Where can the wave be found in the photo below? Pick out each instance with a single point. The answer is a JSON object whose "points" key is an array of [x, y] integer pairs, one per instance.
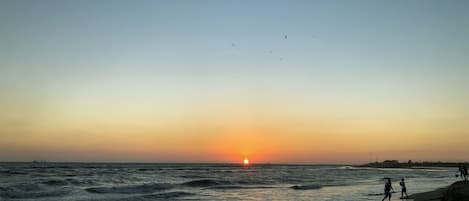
{"points": [[41, 194], [353, 168], [346, 167], [68, 181], [168, 195], [239, 187], [55, 182], [306, 187], [174, 195], [22, 187], [211, 183], [145, 188], [146, 169], [193, 176], [205, 183], [80, 182], [26, 191], [11, 172]]}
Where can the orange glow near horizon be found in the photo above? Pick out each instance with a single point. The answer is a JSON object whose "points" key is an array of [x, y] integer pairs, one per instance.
{"points": [[233, 141], [246, 161], [101, 132]]}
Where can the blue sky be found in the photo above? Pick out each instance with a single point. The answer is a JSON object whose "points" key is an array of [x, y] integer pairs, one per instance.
{"points": [[393, 58]]}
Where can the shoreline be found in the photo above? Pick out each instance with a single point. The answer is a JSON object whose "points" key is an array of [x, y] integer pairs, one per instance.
{"points": [[458, 191]]}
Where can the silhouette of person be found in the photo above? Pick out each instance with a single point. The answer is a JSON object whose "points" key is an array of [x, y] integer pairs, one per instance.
{"points": [[387, 189], [404, 189], [464, 169], [462, 172]]}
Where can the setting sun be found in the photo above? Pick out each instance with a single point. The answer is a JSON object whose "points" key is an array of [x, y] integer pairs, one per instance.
{"points": [[246, 161]]}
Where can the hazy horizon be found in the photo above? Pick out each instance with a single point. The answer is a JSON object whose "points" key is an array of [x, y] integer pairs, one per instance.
{"points": [[219, 81], [235, 163]]}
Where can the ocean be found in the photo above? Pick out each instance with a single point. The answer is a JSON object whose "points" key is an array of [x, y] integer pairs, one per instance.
{"points": [[144, 182]]}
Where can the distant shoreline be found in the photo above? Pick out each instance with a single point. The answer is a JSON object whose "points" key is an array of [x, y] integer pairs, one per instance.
{"points": [[411, 165]]}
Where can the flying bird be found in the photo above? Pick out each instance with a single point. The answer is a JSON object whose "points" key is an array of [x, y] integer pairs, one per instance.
{"points": [[286, 36]]}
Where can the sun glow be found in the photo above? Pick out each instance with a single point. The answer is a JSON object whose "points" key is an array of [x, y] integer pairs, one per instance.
{"points": [[246, 161]]}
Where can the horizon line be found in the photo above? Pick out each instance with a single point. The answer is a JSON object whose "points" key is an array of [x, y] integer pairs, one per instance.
{"points": [[223, 163]]}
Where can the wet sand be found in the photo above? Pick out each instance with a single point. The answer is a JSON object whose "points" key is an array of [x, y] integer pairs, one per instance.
{"points": [[459, 191]]}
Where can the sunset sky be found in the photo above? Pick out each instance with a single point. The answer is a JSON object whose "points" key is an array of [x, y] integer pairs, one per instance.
{"points": [[220, 81]]}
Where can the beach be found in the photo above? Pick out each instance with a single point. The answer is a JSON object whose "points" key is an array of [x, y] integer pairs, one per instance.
{"points": [[458, 191]]}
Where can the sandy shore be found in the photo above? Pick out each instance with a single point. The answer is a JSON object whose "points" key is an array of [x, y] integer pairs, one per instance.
{"points": [[458, 191]]}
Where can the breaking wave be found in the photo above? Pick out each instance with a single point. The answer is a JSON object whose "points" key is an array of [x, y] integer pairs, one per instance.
{"points": [[25, 191], [205, 183], [145, 188], [55, 182]]}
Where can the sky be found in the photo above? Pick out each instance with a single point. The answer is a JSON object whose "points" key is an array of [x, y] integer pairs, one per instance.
{"points": [[220, 81]]}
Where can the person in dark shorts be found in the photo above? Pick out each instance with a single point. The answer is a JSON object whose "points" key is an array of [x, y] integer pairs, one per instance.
{"points": [[404, 189], [387, 189]]}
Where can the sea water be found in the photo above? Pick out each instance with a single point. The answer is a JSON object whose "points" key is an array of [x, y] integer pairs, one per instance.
{"points": [[142, 182]]}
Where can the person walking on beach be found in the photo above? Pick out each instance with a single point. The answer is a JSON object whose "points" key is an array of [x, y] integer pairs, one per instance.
{"points": [[460, 171], [464, 169], [404, 189], [387, 189]]}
